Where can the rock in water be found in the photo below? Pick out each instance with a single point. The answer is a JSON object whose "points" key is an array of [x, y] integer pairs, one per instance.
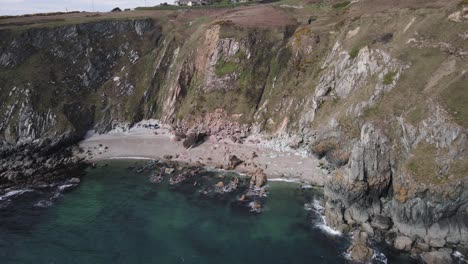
{"points": [[74, 180], [361, 253], [258, 179], [169, 170], [359, 250], [194, 139]]}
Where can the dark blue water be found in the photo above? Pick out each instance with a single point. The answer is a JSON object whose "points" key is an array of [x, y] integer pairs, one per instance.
{"points": [[118, 216]]}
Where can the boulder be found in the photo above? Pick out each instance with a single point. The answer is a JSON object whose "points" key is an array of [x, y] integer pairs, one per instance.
{"points": [[381, 222], [403, 243], [194, 139], [368, 229], [220, 184], [231, 162], [169, 170], [437, 257], [74, 180], [168, 157], [258, 179], [360, 252], [356, 213]]}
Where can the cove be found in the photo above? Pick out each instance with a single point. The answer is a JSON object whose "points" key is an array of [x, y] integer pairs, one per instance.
{"points": [[118, 216]]}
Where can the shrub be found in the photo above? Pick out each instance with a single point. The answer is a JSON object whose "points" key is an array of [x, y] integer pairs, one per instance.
{"points": [[342, 4], [225, 67], [354, 52], [388, 78]]}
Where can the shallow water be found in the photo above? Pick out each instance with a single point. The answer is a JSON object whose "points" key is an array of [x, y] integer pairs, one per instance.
{"points": [[118, 216]]}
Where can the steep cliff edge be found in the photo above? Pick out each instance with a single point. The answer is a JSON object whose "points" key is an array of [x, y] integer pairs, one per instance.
{"points": [[380, 93]]}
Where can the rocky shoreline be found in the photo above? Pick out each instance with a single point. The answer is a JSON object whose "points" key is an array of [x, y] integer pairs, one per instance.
{"points": [[240, 191], [56, 168], [40, 162]]}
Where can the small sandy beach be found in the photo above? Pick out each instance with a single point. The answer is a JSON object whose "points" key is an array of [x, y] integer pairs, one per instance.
{"points": [[140, 142]]}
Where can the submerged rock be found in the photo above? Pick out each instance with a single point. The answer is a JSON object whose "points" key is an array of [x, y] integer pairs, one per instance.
{"points": [[156, 178]]}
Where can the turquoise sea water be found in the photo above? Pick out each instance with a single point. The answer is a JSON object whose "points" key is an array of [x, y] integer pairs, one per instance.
{"points": [[118, 216]]}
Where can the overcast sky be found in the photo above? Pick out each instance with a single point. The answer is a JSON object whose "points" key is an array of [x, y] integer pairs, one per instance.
{"points": [[19, 7]]}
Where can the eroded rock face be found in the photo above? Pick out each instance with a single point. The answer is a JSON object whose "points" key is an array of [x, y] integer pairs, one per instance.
{"points": [[346, 74], [49, 108], [360, 195], [368, 173]]}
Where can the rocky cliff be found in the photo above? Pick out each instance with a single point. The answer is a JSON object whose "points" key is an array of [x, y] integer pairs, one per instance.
{"points": [[380, 93]]}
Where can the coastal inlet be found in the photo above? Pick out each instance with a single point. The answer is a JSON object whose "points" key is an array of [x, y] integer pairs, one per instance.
{"points": [[122, 212]]}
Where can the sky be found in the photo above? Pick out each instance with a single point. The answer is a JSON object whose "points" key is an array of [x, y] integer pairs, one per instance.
{"points": [[20, 7]]}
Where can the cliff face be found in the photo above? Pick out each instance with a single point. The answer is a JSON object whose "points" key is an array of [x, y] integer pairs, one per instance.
{"points": [[381, 96]]}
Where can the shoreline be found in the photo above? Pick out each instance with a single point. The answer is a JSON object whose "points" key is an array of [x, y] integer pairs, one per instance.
{"points": [[157, 143]]}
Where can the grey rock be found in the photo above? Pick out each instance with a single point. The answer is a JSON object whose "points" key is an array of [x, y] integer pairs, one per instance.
{"points": [[437, 257], [359, 250], [231, 162], [194, 139], [368, 229], [356, 213], [74, 180], [403, 243], [435, 242], [381, 222]]}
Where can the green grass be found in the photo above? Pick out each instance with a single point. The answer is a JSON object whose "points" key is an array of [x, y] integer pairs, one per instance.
{"points": [[354, 52], [422, 164], [416, 115], [225, 67], [459, 168], [341, 4], [456, 100], [389, 77]]}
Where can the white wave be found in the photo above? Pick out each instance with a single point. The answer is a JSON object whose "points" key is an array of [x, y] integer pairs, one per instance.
{"points": [[66, 187], [307, 186], [14, 193], [283, 180], [327, 229], [347, 256], [379, 257], [318, 206], [43, 204], [322, 225], [459, 256], [308, 207]]}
